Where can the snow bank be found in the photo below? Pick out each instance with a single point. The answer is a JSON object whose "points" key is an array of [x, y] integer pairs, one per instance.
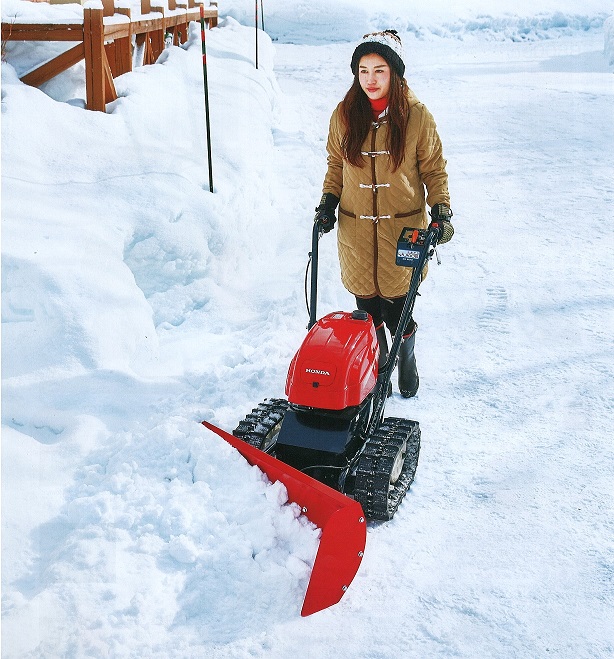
{"points": [[318, 21], [111, 241], [146, 270], [179, 505]]}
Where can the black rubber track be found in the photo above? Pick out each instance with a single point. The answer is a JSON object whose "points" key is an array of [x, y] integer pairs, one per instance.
{"points": [[396, 439], [373, 488], [262, 423]]}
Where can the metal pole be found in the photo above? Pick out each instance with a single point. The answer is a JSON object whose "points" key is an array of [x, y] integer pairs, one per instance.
{"points": [[256, 22], [262, 13], [313, 298], [207, 121], [381, 393]]}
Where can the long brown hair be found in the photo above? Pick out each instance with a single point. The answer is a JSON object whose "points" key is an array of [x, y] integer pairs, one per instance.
{"points": [[357, 117]]}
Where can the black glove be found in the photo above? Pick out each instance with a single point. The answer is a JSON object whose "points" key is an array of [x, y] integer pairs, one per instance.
{"points": [[440, 222], [325, 212]]}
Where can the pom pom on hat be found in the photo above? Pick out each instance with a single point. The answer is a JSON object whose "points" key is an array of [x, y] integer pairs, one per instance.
{"points": [[387, 44]]}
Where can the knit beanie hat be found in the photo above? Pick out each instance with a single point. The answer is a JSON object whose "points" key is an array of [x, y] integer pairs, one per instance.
{"points": [[387, 44]]}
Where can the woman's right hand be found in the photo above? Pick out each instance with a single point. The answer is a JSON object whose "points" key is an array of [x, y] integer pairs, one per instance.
{"points": [[325, 212]]}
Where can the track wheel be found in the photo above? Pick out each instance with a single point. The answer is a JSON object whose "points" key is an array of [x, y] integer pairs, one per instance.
{"points": [[387, 467], [261, 426]]}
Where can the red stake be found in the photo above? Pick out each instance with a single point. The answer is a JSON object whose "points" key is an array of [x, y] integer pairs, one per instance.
{"points": [[256, 22], [206, 86]]}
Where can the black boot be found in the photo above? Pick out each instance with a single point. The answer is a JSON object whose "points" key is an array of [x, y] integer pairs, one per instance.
{"points": [[383, 351], [408, 371]]}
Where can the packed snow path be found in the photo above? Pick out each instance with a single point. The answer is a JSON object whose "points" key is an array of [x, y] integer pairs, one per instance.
{"points": [[502, 546], [128, 532]]}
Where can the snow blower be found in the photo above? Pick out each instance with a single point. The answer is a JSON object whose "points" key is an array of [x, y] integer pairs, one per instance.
{"points": [[328, 442]]}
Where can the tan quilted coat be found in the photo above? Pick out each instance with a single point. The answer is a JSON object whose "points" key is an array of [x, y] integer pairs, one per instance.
{"points": [[376, 203]]}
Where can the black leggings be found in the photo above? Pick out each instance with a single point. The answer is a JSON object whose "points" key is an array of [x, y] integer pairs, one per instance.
{"points": [[383, 310]]}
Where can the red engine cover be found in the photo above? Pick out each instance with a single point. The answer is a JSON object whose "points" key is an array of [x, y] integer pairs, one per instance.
{"points": [[336, 366]]}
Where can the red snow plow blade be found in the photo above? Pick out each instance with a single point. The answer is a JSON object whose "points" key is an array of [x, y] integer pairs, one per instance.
{"points": [[341, 519]]}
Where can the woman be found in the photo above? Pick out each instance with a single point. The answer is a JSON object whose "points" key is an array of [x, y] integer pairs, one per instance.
{"points": [[383, 152]]}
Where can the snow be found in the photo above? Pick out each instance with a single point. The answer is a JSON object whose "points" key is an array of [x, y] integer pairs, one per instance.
{"points": [[609, 39], [136, 303]]}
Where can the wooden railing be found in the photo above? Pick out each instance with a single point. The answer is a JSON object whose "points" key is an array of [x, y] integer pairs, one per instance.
{"points": [[106, 40]]}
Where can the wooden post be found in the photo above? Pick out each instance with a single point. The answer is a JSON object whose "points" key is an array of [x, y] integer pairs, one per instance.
{"points": [[93, 42], [157, 44], [157, 36], [123, 50], [143, 41], [108, 7]]}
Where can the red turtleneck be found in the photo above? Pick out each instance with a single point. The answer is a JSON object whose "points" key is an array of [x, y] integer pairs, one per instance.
{"points": [[378, 106]]}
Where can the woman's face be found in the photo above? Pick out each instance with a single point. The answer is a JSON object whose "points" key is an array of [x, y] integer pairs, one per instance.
{"points": [[374, 76]]}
